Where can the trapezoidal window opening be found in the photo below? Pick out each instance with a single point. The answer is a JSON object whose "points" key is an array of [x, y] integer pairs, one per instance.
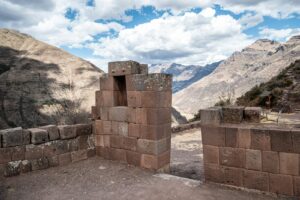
{"points": [[120, 94]]}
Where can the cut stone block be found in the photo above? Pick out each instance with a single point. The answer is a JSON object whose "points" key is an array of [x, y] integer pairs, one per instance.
{"points": [[149, 82], [155, 132], [244, 138], [153, 147], [25, 166], [53, 161], [210, 154], [119, 68], [129, 143], [297, 186], [289, 163], [14, 137], [64, 159], [33, 152], [231, 137], [281, 184], [253, 159], [119, 114], [104, 113], [211, 116], [296, 139], [106, 82], [133, 158], [213, 173], [260, 139], [281, 140], [39, 164], [233, 176], [256, 180], [233, 114], [5, 155], [17, 153], [120, 128], [52, 131], [213, 135], [134, 130], [232, 157], [117, 154], [12, 168], [155, 162], [38, 136], [67, 131], [270, 162], [83, 129], [252, 114], [107, 99]]}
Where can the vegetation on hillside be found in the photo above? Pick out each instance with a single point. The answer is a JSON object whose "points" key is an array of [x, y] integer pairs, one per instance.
{"points": [[272, 94]]}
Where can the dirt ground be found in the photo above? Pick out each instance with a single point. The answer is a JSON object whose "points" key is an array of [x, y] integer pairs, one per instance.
{"points": [[96, 178]]}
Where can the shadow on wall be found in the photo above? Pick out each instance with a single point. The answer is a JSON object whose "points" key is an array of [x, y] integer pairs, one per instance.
{"points": [[30, 98]]}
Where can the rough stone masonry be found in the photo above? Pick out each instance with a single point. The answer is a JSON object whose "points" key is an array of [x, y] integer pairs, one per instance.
{"points": [[132, 116]]}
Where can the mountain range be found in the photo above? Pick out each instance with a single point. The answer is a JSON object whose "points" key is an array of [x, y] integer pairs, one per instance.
{"points": [[183, 75], [255, 64]]}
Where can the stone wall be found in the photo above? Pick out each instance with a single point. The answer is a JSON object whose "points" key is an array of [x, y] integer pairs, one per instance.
{"points": [[133, 116], [241, 152], [25, 150]]}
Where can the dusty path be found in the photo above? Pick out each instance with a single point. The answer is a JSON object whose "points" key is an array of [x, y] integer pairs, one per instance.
{"points": [[101, 179], [187, 154]]}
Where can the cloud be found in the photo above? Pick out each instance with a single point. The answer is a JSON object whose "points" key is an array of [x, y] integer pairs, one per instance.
{"points": [[279, 34], [189, 39], [273, 8], [249, 20]]}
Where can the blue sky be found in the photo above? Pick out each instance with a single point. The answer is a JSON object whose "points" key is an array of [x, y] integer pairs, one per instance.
{"points": [[152, 31]]}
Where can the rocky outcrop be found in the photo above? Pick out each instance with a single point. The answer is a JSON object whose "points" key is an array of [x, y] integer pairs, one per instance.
{"points": [[235, 76], [41, 84]]}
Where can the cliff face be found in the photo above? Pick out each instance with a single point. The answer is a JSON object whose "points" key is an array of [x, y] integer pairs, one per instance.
{"points": [[235, 76], [41, 84]]}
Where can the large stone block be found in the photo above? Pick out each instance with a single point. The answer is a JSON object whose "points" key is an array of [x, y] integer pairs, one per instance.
{"points": [[153, 147], [104, 113], [38, 136], [134, 130], [53, 161], [52, 131], [98, 98], [233, 176], [129, 143], [232, 157], [67, 131], [253, 159], [39, 164], [256, 180], [157, 116], [281, 140], [252, 114], [64, 159], [296, 139], [281, 184], [289, 163], [83, 129], [155, 132], [297, 186], [103, 140], [154, 99], [107, 83], [107, 99], [211, 116], [14, 137], [120, 68], [56, 147], [5, 155], [210, 154], [260, 139], [244, 138], [149, 82], [12, 168], [134, 99], [17, 153], [213, 135], [213, 173], [33, 151], [25, 166], [233, 114], [120, 128], [119, 114], [116, 141], [270, 162], [155, 162], [231, 137]]}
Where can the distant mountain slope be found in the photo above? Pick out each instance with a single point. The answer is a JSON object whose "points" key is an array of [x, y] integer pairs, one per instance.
{"points": [[183, 75], [281, 93], [42, 84], [243, 70]]}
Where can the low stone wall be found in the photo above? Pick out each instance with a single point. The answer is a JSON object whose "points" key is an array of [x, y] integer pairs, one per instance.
{"points": [[250, 155], [25, 150], [183, 127]]}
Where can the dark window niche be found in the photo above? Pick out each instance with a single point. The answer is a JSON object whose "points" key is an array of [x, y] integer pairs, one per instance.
{"points": [[120, 95]]}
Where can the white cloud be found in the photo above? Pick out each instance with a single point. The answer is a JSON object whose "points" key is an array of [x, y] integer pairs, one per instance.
{"points": [[189, 39], [250, 20], [279, 34], [273, 8]]}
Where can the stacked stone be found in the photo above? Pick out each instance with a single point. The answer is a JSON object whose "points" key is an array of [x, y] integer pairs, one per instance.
{"points": [[24, 150], [133, 116], [255, 156]]}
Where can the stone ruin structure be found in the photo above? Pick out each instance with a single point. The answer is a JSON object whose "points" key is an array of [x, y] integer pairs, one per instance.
{"points": [[240, 151], [133, 116]]}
